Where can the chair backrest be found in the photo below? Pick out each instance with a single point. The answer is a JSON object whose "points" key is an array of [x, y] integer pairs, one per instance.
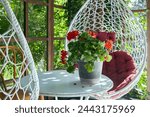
{"points": [[15, 36], [14, 56]]}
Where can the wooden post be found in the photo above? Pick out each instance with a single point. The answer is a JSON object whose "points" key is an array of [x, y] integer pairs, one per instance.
{"points": [[148, 41], [50, 31]]}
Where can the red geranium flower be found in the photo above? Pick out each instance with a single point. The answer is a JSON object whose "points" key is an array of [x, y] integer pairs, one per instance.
{"points": [[63, 56], [93, 34], [82, 46], [109, 45], [64, 53], [72, 35]]}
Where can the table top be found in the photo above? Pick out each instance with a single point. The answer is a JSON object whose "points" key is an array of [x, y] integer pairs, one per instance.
{"points": [[63, 84]]}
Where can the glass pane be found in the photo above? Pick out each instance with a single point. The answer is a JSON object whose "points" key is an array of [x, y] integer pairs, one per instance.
{"points": [[39, 52], [58, 46], [17, 7], [37, 21], [60, 23]]}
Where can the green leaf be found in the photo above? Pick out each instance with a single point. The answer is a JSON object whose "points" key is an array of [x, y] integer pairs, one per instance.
{"points": [[89, 67], [70, 69], [102, 58], [109, 57]]}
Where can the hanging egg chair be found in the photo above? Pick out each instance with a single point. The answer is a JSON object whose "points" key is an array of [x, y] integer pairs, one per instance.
{"points": [[115, 16], [15, 60]]}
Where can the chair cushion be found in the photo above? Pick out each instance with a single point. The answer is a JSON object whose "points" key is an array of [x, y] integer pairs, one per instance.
{"points": [[121, 70]]}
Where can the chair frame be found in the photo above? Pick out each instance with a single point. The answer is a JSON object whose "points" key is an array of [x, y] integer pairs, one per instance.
{"points": [[22, 40]]}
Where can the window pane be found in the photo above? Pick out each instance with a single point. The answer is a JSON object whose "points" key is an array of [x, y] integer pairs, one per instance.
{"points": [[60, 22], [39, 52], [37, 21], [17, 7], [60, 2], [58, 46]]}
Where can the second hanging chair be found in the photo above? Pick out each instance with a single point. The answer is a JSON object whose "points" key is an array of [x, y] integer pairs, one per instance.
{"points": [[115, 16]]}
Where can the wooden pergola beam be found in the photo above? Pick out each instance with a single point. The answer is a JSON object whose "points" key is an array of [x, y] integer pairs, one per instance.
{"points": [[148, 43], [40, 3], [36, 2], [139, 10], [30, 39], [50, 49]]}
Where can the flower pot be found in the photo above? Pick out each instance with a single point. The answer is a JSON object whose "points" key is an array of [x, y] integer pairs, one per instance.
{"points": [[91, 78]]}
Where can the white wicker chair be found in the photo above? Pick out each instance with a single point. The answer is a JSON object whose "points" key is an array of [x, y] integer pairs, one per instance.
{"points": [[114, 15], [16, 35]]}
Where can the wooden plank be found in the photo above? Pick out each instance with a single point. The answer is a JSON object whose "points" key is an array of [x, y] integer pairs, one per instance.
{"points": [[59, 6], [36, 2], [43, 4], [148, 41], [50, 32], [139, 10]]}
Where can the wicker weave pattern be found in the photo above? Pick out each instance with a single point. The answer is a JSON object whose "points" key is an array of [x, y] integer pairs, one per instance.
{"points": [[27, 64], [114, 15]]}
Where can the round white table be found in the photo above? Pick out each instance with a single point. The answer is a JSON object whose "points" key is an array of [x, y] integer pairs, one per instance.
{"points": [[59, 83]]}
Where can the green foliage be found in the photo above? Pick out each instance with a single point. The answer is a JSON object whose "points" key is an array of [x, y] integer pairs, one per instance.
{"points": [[140, 90], [60, 22], [3, 26], [38, 50], [141, 17], [37, 21], [16, 6], [58, 46], [72, 8], [60, 30]]}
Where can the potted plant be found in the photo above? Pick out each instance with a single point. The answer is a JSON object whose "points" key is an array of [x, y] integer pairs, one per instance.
{"points": [[87, 51]]}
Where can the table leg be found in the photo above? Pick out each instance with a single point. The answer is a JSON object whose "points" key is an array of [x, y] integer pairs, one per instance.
{"points": [[56, 98], [81, 98], [87, 98]]}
